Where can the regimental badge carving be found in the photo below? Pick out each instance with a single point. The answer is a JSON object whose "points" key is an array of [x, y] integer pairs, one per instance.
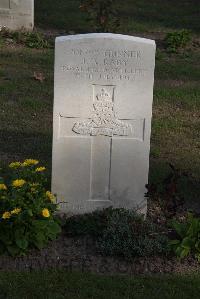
{"points": [[104, 120]]}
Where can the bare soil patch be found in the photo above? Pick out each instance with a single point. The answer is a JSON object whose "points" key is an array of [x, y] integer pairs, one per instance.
{"points": [[79, 254]]}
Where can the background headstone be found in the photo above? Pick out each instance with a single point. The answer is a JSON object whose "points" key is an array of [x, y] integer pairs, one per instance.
{"points": [[17, 14], [102, 121]]}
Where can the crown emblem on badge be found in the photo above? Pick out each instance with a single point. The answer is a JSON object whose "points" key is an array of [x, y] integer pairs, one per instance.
{"points": [[104, 96]]}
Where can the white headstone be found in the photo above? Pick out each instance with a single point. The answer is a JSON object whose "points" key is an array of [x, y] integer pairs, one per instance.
{"points": [[102, 121], [17, 14]]}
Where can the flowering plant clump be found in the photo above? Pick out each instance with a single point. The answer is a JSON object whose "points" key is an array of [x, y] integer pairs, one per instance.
{"points": [[27, 208]]}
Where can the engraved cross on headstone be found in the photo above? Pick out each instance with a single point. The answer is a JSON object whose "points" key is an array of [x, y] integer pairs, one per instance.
{"points": [[102, 127]]}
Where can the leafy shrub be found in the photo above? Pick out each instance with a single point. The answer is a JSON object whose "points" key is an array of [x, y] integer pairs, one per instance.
{"points": [[128, 235], [26, 210], [102, 14], [188, 233], [119, 232], [29, 39], [177, 40]]}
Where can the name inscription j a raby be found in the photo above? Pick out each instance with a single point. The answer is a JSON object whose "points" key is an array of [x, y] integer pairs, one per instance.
{"points": [[105, 64]]}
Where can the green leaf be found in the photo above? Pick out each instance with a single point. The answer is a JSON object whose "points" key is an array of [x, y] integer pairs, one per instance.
{"points": [[22, 243], [30, 212], [198, 257], [54, 227], [40, 224], [21, 238], [197, 246], [178, 251], [184, 252], [39, 240], [181, 228], [188, 242], [174, 242]]}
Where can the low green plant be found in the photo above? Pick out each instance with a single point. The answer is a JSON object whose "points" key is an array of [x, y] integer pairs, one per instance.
{"points": [[128, 234], [27, 209], [35, 40], [119, 232], [102, 14], [177, 40], [188, 237], [29, 39]]}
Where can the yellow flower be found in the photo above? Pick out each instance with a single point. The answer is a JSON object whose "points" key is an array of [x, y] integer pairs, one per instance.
{"points": [[50, 196], [6, 215], [16, 211], [3, 187], [39, 169], [29, 162], [18, 183], [14, 164], [45, 213]]}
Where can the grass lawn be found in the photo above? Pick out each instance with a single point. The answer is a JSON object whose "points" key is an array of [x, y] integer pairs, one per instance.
{"points": [[136, 16], [57, 285], [26, 131], [27, 104]]}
